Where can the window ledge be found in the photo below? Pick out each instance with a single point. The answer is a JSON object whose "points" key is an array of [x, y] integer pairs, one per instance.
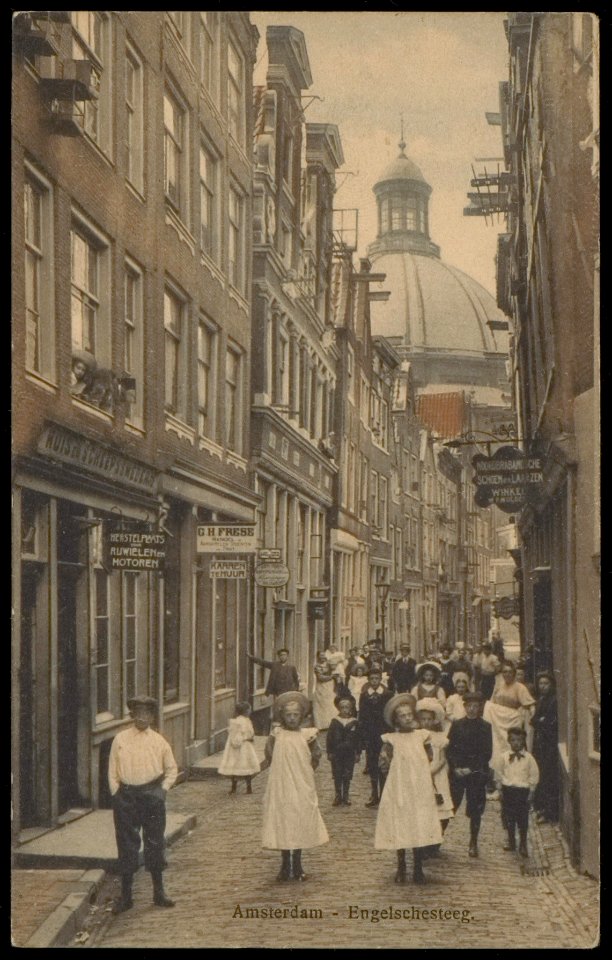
{"points": [[210, 446], [98, 149], [236, 460], [224, 692], [207, 261], [40, 381], [174, 709], [136, 193], [238, 298], [173, 220], [135, 429], [182, 429], [89, 408]]}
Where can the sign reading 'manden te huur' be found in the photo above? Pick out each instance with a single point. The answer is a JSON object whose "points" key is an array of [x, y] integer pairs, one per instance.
{"points": [[509, 479], [69, 447]]}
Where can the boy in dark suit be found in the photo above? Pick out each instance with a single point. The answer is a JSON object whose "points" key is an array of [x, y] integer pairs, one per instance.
{"points": [[402, 676], [283, 675], [470, 746], [372, 701]]}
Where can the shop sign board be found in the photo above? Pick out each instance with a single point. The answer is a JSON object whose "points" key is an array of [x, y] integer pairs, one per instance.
{"points": [[509, 479], [226, 538], [228, 570], [271, 574], [269, 553], [505, 607], [59, 443], [134, 547]]}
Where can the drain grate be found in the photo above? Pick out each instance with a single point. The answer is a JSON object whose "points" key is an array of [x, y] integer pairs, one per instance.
{"points": [[535, 871]]}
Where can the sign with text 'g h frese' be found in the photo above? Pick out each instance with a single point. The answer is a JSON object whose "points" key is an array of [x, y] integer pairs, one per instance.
{"points": [[226, 538]]}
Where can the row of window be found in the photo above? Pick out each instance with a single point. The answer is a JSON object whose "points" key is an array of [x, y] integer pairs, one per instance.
{"points": [[299, 386], [91, 327]]}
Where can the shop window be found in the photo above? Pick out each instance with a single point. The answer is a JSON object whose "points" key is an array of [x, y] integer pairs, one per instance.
{"points": [[102, 641], [226, 627]]}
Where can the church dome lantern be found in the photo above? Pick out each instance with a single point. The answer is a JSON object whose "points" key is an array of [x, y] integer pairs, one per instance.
{"points": [[402, 197]]}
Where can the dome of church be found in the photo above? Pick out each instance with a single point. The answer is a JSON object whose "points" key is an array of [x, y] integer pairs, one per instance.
{"points": [[437, 317]]}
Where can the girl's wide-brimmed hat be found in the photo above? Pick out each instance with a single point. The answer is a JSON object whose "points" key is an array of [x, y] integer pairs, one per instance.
{"points": [[85, 357], [428, 665], [292, 696], [395, 702], [432, 705]]}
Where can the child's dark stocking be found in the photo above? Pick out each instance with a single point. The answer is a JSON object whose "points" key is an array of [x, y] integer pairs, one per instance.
{"points": [[373, 801], [249, 788], [474, 831], [285, 870], [298, 873], [234, 785], [400, 876], [418, 876], [346, 783]]}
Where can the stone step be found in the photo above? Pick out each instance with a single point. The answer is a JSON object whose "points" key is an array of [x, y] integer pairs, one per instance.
{"points": [[88, 842]]}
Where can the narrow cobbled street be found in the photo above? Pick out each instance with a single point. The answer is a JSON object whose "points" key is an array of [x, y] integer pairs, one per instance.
{"points": [[219, 872]]}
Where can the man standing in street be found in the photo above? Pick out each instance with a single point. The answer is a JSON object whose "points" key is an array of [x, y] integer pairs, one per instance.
{"points": [[141, 770], [283, 675], [402, 676]]}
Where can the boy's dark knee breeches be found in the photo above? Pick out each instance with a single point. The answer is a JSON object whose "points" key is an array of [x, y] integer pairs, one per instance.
{"points": [[515, 807], [474, 788], [136, 809]]}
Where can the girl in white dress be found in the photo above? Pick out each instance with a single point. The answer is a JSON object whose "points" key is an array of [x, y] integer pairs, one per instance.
{"points": [[323, 707], [431, 717], [239, 758], [408, 812], [454, 705], [292, 821], [357, 681]]}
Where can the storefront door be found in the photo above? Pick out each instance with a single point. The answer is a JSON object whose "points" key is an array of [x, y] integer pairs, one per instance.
{"points": [[67, 690], [27, 704]]}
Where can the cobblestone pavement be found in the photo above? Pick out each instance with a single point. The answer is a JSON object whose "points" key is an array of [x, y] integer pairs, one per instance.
{"points": [[494, 900], [34, 895]]}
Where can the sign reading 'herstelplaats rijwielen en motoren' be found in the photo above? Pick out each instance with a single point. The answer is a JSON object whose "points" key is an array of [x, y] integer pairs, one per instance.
{"points": [[509, 479], [134, 546]]}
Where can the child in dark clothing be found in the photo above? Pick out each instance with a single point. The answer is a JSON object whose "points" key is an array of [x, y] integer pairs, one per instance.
{"points": [[470, 745], [343, 747], [518, 778]]}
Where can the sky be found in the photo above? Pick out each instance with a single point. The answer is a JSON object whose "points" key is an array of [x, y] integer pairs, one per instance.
{"points": [[442, 71]]}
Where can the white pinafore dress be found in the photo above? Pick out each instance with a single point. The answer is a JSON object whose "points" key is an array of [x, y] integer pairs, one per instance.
{"points": [[292, 820], [408, 813]]}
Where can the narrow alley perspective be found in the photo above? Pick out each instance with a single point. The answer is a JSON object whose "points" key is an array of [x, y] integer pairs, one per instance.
{"points": [[227, 895]]}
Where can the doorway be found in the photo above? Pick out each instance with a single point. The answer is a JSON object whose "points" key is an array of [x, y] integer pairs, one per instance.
{"points": [[28, 759], [67, 688]]}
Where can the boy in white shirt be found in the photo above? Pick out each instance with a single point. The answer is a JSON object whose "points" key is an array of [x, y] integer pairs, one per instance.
{"points": [[141, 770], [518, 778]]}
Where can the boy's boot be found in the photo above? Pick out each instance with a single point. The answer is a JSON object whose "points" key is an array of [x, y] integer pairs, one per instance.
{"points": [[298, 873], [523, 852], [400, 876], [159, 894], [418, 876], [249, 788], [473, 847], [511, 841], [373, 801], [285, 870], [345, 793], [125, 901]]}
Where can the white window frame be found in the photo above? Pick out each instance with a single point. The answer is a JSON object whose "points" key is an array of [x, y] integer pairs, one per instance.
{"points": [[178, 143], [210, 243], [383, 516], [133, 322], [210, 407], [41, 249], [181, 26], [235, 443], [177, 405], [100, 299], [107, 664], [236, 91], [209, 65], [99, 109], [236, 251], [134, 134], [135, 578]]}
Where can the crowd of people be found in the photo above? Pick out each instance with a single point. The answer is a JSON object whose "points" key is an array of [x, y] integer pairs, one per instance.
{"points": [[460, 724]]}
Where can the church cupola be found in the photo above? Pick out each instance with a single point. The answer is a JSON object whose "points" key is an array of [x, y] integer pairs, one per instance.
{"points": [[402, 196]]}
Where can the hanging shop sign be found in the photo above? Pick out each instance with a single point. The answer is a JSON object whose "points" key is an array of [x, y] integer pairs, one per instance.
{"points": [[269, 553], [226, 538], [271, 574], [228, 570], [505, 607], [509, 479], [134, 547]]}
